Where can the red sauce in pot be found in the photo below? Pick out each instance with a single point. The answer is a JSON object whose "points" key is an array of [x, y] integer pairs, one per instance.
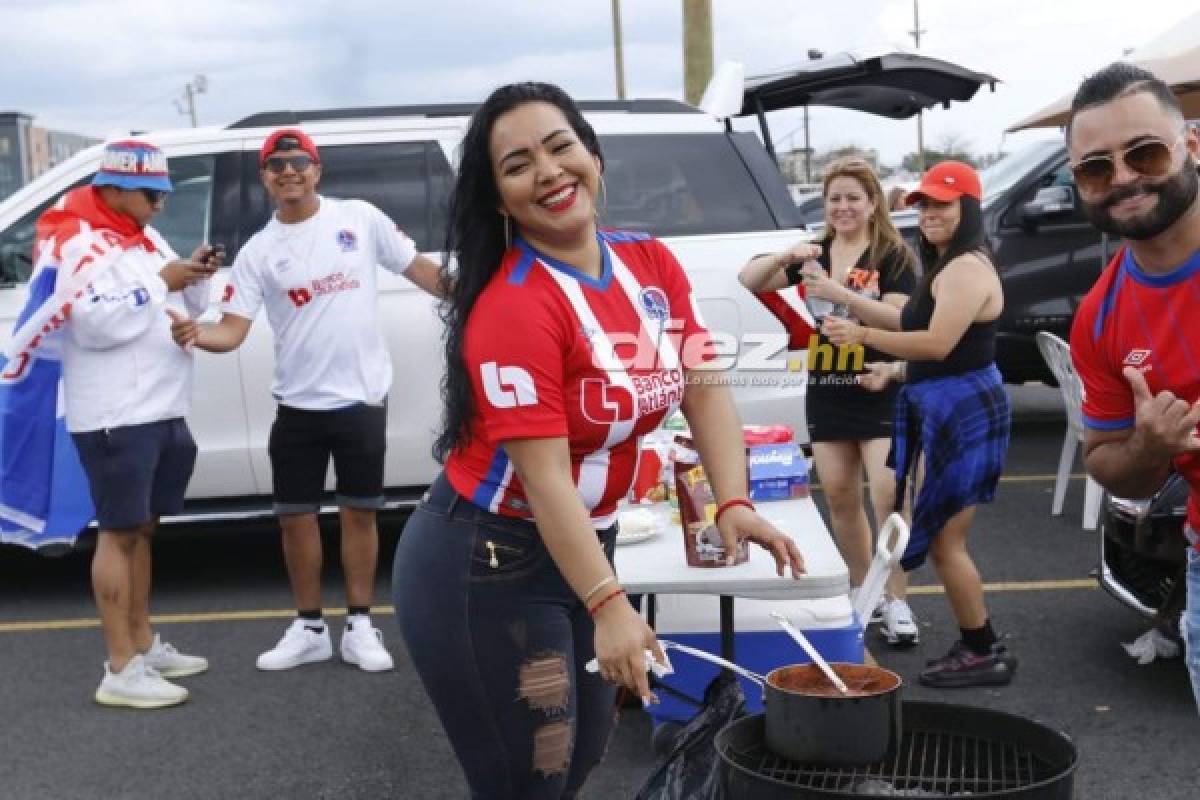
{"points": [[861, 680]]}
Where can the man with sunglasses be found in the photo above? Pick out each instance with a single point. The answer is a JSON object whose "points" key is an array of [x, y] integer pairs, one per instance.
{"points": [[127, 389], [314, 269], [1135, 337]]}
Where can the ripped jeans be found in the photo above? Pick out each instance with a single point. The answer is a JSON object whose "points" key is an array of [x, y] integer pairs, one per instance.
{"points": [[500, 641]]}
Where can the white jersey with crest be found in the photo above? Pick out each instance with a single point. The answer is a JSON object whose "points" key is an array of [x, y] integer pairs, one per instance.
{"points": [[317, 280]]}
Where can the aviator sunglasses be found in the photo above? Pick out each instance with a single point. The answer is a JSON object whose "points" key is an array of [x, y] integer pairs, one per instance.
{"points": [[1150, 158], [277, 164]]}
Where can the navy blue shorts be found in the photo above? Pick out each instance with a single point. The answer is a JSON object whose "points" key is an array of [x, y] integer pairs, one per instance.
{"points": [[137, 472], [302, 443]]}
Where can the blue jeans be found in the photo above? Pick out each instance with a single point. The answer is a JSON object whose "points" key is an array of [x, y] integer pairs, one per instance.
{"points": [[500, 641], [1189, 627]]}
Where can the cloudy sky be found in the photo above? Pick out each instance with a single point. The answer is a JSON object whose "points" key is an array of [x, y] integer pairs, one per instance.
{"points": [[100, 67]]}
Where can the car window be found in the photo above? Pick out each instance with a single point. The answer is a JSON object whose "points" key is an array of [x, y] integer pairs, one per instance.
{"points": [[16, 243], [679, 185], [408, 181], [185, 218]]}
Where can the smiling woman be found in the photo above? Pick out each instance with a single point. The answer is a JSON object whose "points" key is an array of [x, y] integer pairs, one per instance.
{"points": [[504, 584], [952, 415]]}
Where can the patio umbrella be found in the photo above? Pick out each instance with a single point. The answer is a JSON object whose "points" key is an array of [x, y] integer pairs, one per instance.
{"points": [[1173, 57]]}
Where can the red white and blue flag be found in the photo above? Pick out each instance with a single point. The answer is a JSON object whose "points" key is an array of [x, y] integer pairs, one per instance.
{"points": [[44, 496]]}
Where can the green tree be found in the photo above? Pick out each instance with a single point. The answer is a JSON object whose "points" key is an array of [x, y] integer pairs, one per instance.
{"points": [[951, 148]]}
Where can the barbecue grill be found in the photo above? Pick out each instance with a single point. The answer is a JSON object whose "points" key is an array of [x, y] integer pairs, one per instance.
{"points": [[946, 751]]}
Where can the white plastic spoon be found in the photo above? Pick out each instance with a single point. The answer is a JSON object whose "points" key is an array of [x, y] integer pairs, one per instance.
{"points": [[803, 641]]}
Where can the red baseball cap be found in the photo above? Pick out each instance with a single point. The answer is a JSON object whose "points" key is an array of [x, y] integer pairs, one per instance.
{"points": [[280, 137], [946, 181]]}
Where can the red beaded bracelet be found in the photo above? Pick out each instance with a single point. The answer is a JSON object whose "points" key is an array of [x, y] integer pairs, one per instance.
{"points": [[592, 611], [728, 504]]}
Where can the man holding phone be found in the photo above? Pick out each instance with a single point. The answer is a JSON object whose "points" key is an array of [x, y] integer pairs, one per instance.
{"points": [[127, 389], [313, 267]]}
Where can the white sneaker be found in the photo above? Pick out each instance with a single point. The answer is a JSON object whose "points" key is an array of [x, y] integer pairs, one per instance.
{"points": [[299, 645], [363, 645], [899, 626], [138, 686], [164, 659]]}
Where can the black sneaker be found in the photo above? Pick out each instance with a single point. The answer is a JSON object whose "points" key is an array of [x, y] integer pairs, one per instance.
{"points": [[962, 666]]}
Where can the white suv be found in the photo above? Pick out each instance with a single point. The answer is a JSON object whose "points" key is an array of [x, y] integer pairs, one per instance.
{"points": [[713, 196]]}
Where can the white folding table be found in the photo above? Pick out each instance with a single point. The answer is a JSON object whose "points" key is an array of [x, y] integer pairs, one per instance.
{"points": [[658, 566]]}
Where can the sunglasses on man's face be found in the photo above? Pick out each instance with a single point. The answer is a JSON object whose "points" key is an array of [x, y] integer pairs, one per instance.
{"points": [[1150, 158], [277, 164], [154, 196]]}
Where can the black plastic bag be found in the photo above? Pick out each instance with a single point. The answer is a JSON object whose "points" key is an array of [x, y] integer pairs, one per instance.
{"points": [[691, 769]]}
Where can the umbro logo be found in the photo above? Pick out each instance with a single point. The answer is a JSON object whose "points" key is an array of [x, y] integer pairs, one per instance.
{"points": [[1136, 358]]}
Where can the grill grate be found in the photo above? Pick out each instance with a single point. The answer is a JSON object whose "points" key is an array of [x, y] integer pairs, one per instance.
{"points": [[947, 764]]}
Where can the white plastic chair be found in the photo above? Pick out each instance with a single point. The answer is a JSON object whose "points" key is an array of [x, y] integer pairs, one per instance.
{"points": [[1057, 354]]}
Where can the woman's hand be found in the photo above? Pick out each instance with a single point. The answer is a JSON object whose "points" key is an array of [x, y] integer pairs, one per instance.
{"points": [[800, 252], [843, 331], [622, 639], [817, 283], [877, 376], [739, 523]]}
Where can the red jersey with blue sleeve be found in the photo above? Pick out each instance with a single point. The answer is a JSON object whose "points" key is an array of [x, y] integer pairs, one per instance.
{"points": [[1132, 318], [554, 352]]}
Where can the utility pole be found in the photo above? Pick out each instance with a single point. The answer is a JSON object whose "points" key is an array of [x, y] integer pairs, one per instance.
{"points": [[807, 149], [618, 52], [916, 34], [813, 55], [197, 85], [697, 48]]}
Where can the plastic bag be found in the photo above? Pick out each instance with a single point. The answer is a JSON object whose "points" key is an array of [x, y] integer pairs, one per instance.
{"points": [[1151, 645], [691, 770]]}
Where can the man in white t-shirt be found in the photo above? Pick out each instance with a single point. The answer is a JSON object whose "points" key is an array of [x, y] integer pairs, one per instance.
{"points": [[313, 267]]}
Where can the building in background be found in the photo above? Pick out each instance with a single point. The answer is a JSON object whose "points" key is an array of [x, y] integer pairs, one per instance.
{"points": [[26, 150]]}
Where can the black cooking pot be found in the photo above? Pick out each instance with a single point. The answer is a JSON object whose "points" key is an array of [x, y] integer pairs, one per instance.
{"points": [[810, 721]]}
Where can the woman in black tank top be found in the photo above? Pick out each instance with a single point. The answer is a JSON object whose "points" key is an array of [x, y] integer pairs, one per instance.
{"points": [[952, 410]]}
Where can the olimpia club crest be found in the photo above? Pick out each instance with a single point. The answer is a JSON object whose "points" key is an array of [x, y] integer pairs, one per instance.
{"points": [[655, 304]]}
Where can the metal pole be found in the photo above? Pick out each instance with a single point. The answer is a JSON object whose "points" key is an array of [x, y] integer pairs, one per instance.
{"points": [[916, 34], [618, 52], [807, 149], [191, 103], [697, 48]]}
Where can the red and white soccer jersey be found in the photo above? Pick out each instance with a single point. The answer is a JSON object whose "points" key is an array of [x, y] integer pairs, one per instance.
{"points": [[554, 352], [1131, 318]]}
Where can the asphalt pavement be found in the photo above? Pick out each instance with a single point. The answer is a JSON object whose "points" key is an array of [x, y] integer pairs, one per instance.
{"points": [[331, 731]]}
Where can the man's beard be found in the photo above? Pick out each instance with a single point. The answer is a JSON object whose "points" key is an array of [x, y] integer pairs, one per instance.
{"points": [[1175, 196]]}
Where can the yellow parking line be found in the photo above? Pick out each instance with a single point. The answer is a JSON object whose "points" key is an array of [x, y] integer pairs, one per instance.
{"points": [[1078, 476], [1048, 478], [1017, 586], [172, 619], [241, 616]]}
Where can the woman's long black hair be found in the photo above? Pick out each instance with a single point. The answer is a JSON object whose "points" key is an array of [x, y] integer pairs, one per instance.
{"points": [[475, 240], [969, 237]]}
